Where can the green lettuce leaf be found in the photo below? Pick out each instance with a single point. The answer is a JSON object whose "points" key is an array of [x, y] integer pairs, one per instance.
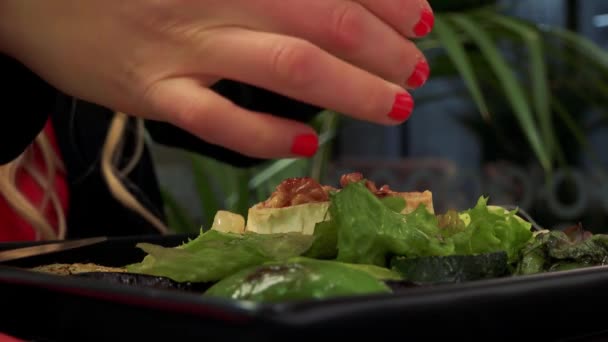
{"points": [[450, 223], [297, 279], [325, 241], [395, 203], [369, 231], [492, 231], [214, 255], [325, 245]]}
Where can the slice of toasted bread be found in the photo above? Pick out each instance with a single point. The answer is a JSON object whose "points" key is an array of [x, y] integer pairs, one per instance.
{"points": [[69, 269]]}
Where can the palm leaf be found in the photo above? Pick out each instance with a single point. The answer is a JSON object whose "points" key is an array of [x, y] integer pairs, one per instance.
{"points": [[570, 123], [267, 175], [580, 43], [513, 90], [538, 74], [177, 217], [576, 131], [241, 204], [203, 178], [451, 43], [329, 124], [281, 166]]}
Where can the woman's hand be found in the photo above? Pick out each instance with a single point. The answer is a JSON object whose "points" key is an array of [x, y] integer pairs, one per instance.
{"points": [[157, 59]]}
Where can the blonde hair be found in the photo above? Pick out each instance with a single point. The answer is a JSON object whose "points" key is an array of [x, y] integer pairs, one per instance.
{"points": [[113, 176]]}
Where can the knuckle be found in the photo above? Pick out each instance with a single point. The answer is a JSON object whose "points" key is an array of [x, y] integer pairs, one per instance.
{"points": [[346, 26], [149, 99], [294, 63], [405, 9], [187, 113]]}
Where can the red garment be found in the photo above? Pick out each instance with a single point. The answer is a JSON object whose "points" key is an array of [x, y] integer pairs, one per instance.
{"points": [[8, 338], [12, 226]]}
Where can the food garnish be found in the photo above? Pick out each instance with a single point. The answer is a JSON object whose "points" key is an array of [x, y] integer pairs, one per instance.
{"points": [[309, 241]]}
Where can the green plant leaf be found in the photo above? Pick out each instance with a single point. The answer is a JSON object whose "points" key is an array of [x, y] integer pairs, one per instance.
{"points": [[204, 188], [177, 216], [585, 46], [242, 204], [570, 123], [329, 123], [267, 174], [451, 43], [538, 75], [281, 166], [589, 83], [576, 131], [513, 90]]}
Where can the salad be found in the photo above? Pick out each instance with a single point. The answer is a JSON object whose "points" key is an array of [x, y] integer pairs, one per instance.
{"points": [[308, 241]]}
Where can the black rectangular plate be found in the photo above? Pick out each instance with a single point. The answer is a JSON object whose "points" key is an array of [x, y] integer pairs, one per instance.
{"points": [[42, 307]]}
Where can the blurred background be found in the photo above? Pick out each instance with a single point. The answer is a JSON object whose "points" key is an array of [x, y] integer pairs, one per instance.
{"points": [[516, 109]]}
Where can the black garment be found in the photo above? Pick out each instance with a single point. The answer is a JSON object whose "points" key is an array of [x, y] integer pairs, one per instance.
{"points": [[81, 129], [26, 101]]}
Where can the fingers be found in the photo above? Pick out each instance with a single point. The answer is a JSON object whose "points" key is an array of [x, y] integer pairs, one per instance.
{"points": [[302, 71], [365, 37], [411, 18], [187, 104]]}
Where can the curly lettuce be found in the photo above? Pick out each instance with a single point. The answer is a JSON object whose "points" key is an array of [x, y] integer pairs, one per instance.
{"points": [[491, 230], [359, 229], [556, 250], [214, 255], [369, 232]]}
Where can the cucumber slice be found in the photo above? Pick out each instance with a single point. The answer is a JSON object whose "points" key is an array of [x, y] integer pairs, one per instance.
{"points": [[451, 269]]}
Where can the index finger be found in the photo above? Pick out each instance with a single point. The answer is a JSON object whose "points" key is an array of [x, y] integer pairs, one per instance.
{"points": [[411, 18]]}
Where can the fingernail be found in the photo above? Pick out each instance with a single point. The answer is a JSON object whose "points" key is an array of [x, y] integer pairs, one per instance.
{"points": [[402, 108], [305, 145], [426, 23], [420, 75]]}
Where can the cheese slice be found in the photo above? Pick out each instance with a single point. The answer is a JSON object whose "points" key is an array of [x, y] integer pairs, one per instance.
{"points": [[300, 218], [228, 222]]}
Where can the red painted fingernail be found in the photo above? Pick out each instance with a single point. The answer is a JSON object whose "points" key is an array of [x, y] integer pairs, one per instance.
{"points": [[402, 108], [420, 75], [305, 145], [426, 23]]}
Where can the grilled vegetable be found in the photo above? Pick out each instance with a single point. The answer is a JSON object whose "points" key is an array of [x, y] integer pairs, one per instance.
{"points": [[451, 269], [563, 250]]}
